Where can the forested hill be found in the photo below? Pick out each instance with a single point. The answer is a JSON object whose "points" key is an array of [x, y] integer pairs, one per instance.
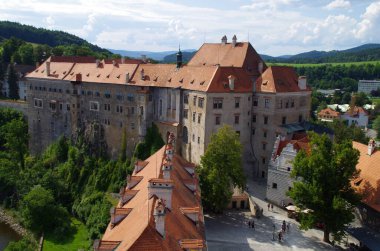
{"points": [[366, 52], [52, 38]]}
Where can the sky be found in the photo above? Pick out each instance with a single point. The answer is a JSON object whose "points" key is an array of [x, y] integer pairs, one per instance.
{"points": [[273, 27]]}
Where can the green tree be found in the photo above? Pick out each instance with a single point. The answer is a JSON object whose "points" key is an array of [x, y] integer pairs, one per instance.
{"points": [[361, 99], [12, 83], [26, 54], [40, 211], [25, 244], [221, 169], [376, 125], [323, 184], [16, 136], [346, 98]]}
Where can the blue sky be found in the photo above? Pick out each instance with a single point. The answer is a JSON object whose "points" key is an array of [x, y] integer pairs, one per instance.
{"points": [[274, 27]]}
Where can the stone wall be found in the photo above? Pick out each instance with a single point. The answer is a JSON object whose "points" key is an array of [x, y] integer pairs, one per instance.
{"points": [[18, 105]]}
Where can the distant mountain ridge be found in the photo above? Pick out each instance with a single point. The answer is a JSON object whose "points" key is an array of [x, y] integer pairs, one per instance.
{"points": [[149, 54]]}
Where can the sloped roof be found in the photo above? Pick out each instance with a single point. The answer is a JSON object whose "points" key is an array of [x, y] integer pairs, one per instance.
{"points": [[242, 55], [137, 231], [355, 111], [278, 79], [299, 141], [369, 180], [328, 112]]}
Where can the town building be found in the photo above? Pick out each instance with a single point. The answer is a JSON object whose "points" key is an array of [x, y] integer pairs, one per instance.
{"points": [[367, 86], [328, 115], [281, 164], [356, 116], [159, 208], [368, 183], [224, 83]]}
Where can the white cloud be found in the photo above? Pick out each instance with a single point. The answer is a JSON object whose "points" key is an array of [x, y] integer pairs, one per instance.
{"points": [[50, 22], [368, 28], [337, 4]]}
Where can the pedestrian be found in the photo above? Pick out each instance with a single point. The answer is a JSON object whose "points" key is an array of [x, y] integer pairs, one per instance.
{"points": [[268, 206], [253, 225], [288, 227], [283, 228], [271, 206], [273, 235], [279, 236], [249, 224]]}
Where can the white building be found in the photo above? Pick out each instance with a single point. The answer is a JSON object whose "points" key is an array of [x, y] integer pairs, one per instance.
{"points": [[357, 116], [281, 164], [367, 86]]}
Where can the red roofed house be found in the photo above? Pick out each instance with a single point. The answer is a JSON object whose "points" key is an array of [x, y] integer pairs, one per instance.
{"points": [[368, 182], [160, 210], [328, 115], [356, 116], [280, 166]]}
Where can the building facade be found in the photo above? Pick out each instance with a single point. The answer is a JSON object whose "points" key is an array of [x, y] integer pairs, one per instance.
{"points": [[367, 86], [109, 98]]}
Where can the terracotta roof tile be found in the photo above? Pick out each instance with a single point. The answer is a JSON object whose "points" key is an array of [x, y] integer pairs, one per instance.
{"points": [[368, 182], [328, 112], [278, 79]]}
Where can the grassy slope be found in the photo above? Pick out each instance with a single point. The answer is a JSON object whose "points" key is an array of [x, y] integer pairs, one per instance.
{"points": [[78, 239], [314, 65]]}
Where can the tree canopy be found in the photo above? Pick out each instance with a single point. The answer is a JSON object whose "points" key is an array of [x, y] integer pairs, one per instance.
{"points": [[323, 184], [221, 169]]}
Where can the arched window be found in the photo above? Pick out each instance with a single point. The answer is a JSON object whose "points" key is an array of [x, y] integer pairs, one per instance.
{"points": [[185, 136]]}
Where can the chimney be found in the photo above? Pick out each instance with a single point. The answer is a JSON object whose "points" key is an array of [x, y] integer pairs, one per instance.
{"points": [[371, 147], [162, 188], [142, 74], [97, 63], [169, 151], [113, 62], [143, 58], [167, 167], [78, 77], [47, 68], [127, 78], [302, 82], [179, 58], [122, 60], [224, 39], [260, 67], [234, 39], [231, 82], [159, 216]]}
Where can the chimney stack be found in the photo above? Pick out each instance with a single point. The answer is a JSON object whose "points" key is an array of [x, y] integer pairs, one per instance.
{"points": [[224, 39], [142, 74], [302, 82], [47, 68], [371, 147], [113, 62], [122, 60], [179, 58], [97, 63], [167, 167], [231, 82], [234, 40], [127, 78], [159, 217]]}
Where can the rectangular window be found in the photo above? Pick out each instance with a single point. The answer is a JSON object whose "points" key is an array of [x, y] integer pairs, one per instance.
{"points": [[186, 99], [292, 103], [199, 117], [185, 113], [255, 102], [218, 103], [132, 126], [119, 109], [107, 107], [53, 105], [264, 146], [265, 133], [38, 103], [237, 102], [266, 102], [132, 110], [89, 93], [253, 131], [217, 119], [68, 107], [237, 118], [193, 137], [283, 120], [119, 97], [279, 104], [265, 120], [200, 102], [107, 95], [253, 118], [193, 116], [263, 160], [130, 97], [300, 118], [94, 106], [195, 100], [199, 140], [274, 185]]}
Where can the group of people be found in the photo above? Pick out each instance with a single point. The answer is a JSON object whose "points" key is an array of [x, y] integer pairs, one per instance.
{"points": [[284, 228], [251, 224]]}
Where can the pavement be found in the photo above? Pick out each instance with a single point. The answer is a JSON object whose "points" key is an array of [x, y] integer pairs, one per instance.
{"points": [[230, 231]]}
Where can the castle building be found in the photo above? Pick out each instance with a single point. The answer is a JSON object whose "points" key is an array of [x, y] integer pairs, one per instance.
{"points": [[159, 208], [224, 83]]}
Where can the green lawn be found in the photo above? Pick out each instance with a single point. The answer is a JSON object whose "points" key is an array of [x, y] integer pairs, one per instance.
{"points": [[315, 65], [76, 240], [375, 100]]}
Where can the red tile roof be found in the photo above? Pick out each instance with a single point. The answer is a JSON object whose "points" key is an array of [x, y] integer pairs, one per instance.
{"points": [[137, 231], [279, 79], [299, 141], [368, 182], [354, 112], [328, 112]]}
